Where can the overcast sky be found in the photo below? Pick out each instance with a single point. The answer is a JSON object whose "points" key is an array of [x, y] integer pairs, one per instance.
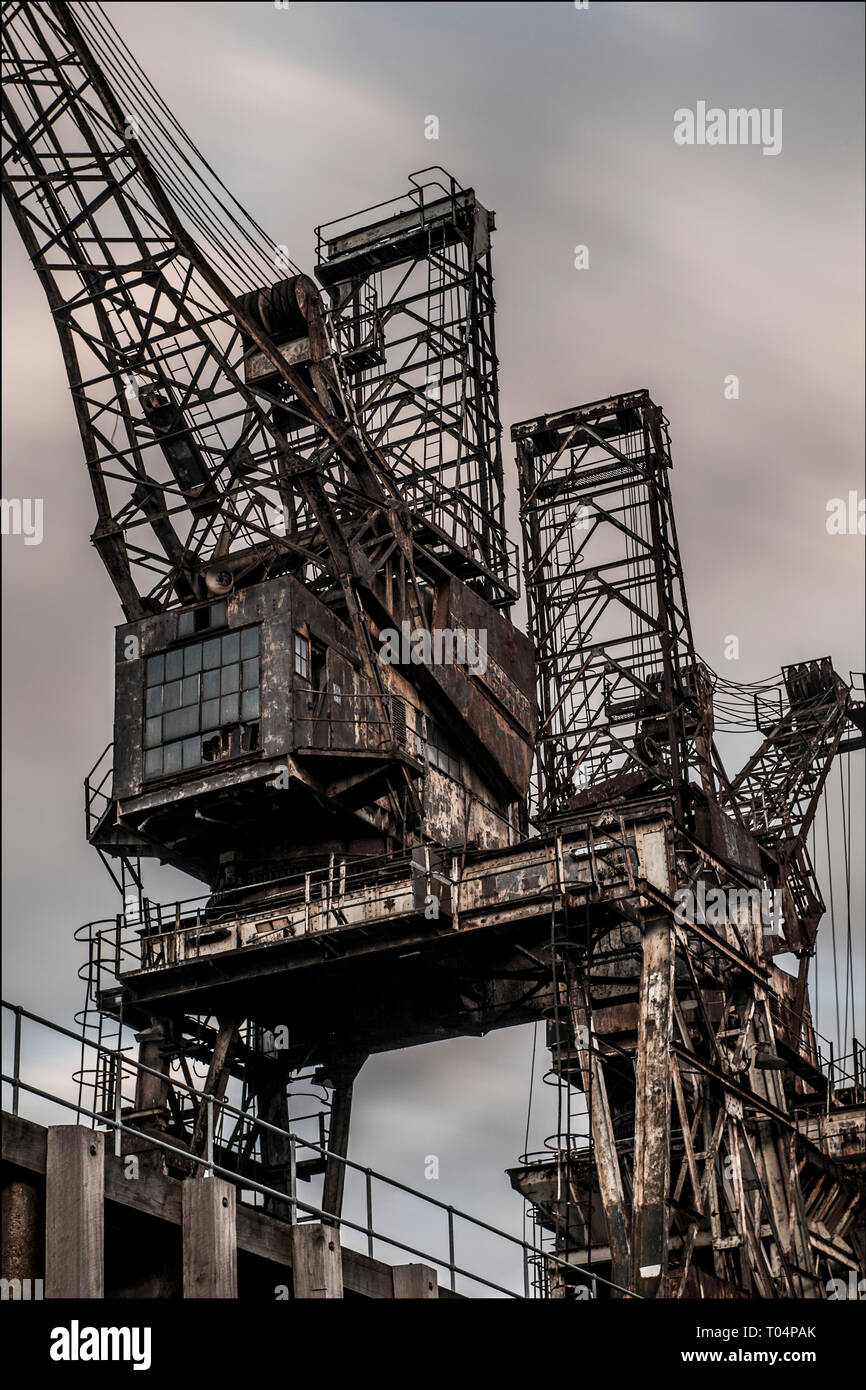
{"points": [[704, 261]]}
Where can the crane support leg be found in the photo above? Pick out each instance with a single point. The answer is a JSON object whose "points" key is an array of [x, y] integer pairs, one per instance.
{"points": [[217, 1081], [338, 1142], [603, 1139], [652, 1112]]}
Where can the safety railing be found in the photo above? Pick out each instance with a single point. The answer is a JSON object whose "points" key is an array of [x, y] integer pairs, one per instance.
{"points": [[335, 721], [339, 894], [364, 1222], [96, 798], [153, 934], [420, 195], [844, 1073]]}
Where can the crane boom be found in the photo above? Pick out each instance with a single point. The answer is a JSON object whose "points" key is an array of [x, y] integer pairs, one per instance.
{"points": [[190, 462], [778, 791]]}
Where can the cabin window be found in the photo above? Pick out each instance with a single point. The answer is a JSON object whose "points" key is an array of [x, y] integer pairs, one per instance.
{"points": [[209, 615], [200, 700], [302, 656], [438, 749]]}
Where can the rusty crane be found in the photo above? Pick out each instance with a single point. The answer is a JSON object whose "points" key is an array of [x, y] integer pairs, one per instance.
{"points": [[286, 470]]}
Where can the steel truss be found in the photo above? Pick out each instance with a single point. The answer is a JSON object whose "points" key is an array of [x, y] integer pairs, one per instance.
{"points": [[208, 443], [778, 791], [623, 700], [413, 306], [681, 1167]]}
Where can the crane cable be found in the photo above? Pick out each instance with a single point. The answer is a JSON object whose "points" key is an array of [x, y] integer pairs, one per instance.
{"points": [[846, 849], [256, 254], [833, 929]]}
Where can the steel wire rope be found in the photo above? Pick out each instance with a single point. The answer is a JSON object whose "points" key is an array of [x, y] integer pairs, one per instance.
{"points": [[122, 58]]}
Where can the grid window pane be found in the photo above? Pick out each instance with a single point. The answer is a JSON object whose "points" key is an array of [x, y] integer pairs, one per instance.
{"points": [[250, 705], [218, 614], [186, 624], [192, 659], [212, 653], [439, 750], [210, 714], [173, 723], [191, 752], [210, 684], [172, 757], [189, 719], [194, 691], [171, 695]]}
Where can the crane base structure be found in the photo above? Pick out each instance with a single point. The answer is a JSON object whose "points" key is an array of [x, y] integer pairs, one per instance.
{"points": [[717, 1158]]}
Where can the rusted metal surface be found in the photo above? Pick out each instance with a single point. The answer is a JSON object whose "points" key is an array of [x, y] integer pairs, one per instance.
{"points": [[290, 475]]}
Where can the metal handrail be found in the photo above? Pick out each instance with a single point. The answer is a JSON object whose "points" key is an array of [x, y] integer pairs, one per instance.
{"points": [[410, 196], [94, 793], [359, 872], [243, 1182]]}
